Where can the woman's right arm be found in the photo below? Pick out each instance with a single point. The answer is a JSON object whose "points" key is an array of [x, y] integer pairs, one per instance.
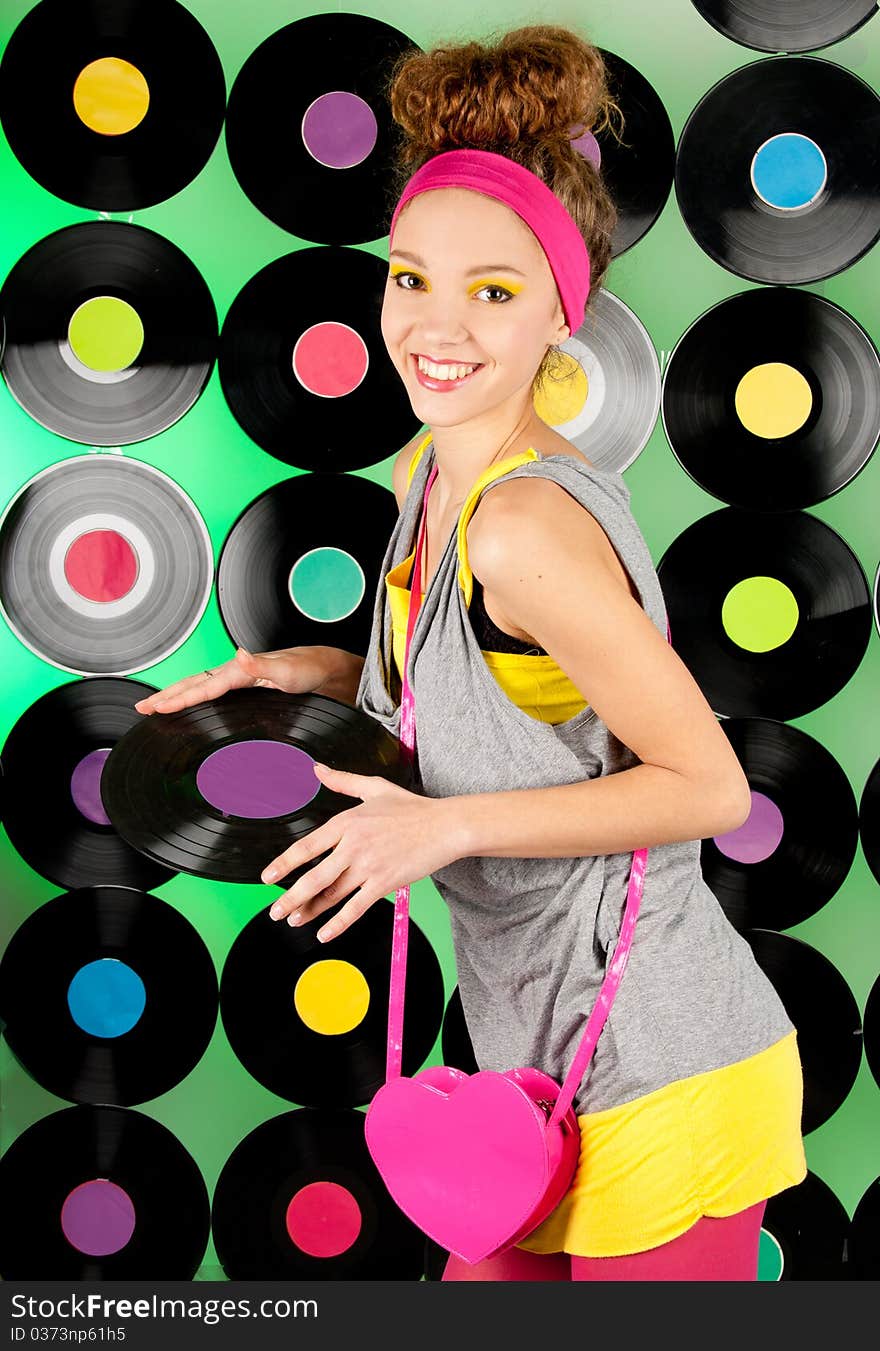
{"points": [[296, 670]]}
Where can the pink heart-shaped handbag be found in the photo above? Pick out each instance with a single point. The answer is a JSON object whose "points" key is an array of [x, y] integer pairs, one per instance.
{"points": [[478, 1161]]}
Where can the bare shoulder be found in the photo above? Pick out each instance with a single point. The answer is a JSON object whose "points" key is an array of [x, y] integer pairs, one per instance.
{"points": [[400, 468], [516, 505]]}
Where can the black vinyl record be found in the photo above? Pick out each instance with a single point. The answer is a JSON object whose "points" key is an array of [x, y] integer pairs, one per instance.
{"points": [[106, 565], [263, 792], [458, 1049], [872, 1030], [317, 1035], [761, 237], [101, 1194], [864, 1236], [282, 373], [109, 995], [869, 821], [822, 1007], [157, 287], [273, 589], [309, 129], [786, 25], [808, 1227], [52, 764], [637, 170], [786, 444], [148, 65], [795, 850], [300, 1198], [799, 644]]}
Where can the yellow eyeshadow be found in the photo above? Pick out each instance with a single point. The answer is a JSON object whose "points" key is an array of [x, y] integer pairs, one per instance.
{"points": [[492, 281]]}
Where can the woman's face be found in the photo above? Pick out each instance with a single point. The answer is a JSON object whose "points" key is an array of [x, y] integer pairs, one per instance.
{"points": [[468, 284]]}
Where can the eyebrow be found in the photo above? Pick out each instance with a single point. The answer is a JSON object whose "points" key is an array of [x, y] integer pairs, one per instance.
{"points": [[472, 272]]}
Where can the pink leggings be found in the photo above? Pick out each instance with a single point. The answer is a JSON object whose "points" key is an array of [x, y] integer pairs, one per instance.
{"points": [[711, 1250]]}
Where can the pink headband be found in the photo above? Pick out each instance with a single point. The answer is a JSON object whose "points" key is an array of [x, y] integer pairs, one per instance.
{"points": [[531, 199]]}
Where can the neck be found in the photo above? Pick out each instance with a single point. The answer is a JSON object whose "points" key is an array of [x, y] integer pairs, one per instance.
{"points": [[463, 452]]}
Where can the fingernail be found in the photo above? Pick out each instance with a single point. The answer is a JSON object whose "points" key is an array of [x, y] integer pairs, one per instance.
{"points": [[269, 875], [294, 918], [277, 911]]}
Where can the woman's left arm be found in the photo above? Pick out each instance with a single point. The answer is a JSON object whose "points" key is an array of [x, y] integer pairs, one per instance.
{"points": [[546, 559]]}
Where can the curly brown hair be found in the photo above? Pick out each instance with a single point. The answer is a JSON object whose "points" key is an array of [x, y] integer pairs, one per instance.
{"points": [[524, 95]]}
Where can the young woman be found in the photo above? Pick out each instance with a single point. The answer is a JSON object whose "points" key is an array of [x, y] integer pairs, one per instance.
{"points": [[557, 731]]}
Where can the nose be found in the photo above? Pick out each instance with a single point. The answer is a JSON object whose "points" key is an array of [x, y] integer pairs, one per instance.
{"points": [[442, 322]]}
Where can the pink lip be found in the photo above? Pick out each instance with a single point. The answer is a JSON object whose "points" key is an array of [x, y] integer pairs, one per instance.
{"points": [[443, 386]]}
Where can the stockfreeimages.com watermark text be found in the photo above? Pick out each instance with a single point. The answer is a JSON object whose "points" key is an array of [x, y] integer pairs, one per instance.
{"points": [[104, 1308]]}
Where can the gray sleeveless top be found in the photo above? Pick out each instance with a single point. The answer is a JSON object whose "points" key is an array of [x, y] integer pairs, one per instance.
{"points": [[532, 936]]}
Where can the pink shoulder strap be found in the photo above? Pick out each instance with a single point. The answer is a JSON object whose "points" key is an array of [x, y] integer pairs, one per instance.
{"points": [[613, 975]]}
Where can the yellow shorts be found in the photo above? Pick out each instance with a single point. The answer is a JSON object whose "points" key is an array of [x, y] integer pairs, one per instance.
{"points": [[712, 1144]]}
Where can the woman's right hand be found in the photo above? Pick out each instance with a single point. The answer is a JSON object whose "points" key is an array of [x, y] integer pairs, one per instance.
{"points": [[296, 670]]}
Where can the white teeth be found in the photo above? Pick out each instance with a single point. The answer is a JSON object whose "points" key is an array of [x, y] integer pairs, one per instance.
{"points": [[444, 372]]}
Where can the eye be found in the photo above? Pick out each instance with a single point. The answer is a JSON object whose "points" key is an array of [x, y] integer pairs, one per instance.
{"points": [[396, 276], [501, 290]]}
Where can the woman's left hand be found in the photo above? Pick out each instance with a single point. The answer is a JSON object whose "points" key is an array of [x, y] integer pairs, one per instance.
{"points": [[391, 838]]}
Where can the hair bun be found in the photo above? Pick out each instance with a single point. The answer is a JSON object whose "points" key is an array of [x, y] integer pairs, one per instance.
{"points": [[538, 84]]}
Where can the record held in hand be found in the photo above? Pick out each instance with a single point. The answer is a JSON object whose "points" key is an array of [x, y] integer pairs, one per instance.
{"points": [[309, 1020], [303, 365], [771, 614], [793, 853], [111, 333], [822, 1007], [309, 129], [101, 1194], [109, 995], [114, 106], [52, 764], [300, 1198], [864, 1236], [106, 565], [302, 564], [220, 789], [786, 25], [794, 195], [771, 399]]}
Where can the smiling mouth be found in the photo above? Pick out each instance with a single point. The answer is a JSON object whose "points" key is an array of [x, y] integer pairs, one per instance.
{"points": [[440, 383]]}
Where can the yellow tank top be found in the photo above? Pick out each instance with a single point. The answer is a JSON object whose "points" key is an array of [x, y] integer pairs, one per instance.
{"points": [[533, 681]]}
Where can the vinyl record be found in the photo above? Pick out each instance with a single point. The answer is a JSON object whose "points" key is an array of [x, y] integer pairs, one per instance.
{"points": [[101, 1194], [220, 789], [53, 759], [771, 614], [606, 397], [794, 195], [309, 129], [302, 564], [458, 1049], [786, 25], [872, 1030], [303, 364], [109, 995], [869, 821], [771, 399], [804, 1234], [111, 333], [638, 170], [112, 104], [300, 1198], [106, 566], [796, 848], [864, 1236], [822, 1007], [309, 1021]]}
